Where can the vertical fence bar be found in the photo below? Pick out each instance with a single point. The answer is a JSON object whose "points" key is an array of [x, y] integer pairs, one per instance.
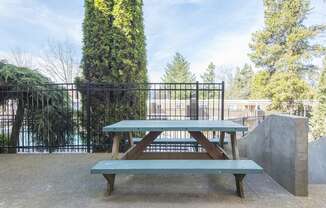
{"points": [[222, 100], [197, 100], [243, 123], [88, 117]]}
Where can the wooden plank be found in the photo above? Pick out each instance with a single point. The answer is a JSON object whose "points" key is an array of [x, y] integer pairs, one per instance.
{"points": [[222, 136], [135, 151], [239, 184], [178, 140], [234, 145], [175, 156], [211, 149], [110, 178], [235, 156], [226, 155], [130, 139], [176, 167], [115, 147]]}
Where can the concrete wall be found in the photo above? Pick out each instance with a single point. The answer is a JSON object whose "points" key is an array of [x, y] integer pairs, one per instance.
{"points": [[280, 146], [317, 161]]}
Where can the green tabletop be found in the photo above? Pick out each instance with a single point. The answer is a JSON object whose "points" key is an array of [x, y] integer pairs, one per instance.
{"points": [[175, 125]]}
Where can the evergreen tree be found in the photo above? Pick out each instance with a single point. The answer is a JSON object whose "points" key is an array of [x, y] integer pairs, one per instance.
{"points": [[209, 76], [240, 86], [114, 41], [284, 45], [287, 90], [318, 120], [113, 53], [258, 85], [285, 42], [178, 71]]}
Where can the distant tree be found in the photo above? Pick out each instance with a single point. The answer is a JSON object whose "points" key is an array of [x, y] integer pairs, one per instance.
{"points": [[59, 62], [209, 75], [258, 85], [318, 120], [178, 71], [225, 73], [285, 42], [240, 86], [287, 90], [21, 58]]}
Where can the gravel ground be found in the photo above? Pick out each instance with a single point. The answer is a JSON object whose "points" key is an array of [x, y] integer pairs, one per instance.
{"points": [[64, 180]]}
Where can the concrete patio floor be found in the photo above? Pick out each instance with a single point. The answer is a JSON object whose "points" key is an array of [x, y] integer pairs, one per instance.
{"points": [[64, 180]]}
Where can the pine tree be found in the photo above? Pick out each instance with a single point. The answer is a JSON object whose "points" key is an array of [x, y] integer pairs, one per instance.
{"points": [[178, 71], [285, 42], [318, 120], [209, 76], [285, 46], [240, 86], [258, 85]]}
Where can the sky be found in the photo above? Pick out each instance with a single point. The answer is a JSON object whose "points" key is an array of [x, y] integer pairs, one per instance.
{"points": [[203, 31]]}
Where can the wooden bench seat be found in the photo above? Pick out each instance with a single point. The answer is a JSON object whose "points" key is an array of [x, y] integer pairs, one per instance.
{"points": [[177, 140], [237, 167]]}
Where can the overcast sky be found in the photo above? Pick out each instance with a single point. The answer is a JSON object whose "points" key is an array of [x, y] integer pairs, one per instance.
{"points": [[201, 30]]}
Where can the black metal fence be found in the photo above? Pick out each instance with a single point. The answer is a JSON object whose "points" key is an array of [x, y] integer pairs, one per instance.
{"points": [[70, 117]]}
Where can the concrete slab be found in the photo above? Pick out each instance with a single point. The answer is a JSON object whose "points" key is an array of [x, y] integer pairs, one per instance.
{"points": [[317, 161], [64, 180], [280, 145]]}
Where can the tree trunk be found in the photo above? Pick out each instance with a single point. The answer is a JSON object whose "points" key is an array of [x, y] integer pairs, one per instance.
{"points": [[18, 122]]}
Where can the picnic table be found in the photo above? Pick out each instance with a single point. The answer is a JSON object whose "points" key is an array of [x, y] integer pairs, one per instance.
{"points": [[153, 129]]}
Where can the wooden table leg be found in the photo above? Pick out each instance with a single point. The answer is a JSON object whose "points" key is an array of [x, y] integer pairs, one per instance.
{"points": [[234, 145], [115, 147], [212, 150], [130, 140], [110, 180], [235, 155], [239, 183], [222, 136], [135, 152]]}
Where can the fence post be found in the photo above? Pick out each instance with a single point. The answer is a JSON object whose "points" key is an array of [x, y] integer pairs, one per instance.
{"points": [[197, 100], [222, 99], [243, 123], [88, 117]]}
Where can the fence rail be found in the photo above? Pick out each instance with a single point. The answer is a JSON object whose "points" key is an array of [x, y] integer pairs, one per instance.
{"points": [[69, 117]]}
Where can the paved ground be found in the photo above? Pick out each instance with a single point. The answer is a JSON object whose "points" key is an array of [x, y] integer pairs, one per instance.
{"points": [[58, 180]]}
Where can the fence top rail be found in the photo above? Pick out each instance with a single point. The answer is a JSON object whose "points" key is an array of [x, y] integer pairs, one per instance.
{"points": [[122, 84]]}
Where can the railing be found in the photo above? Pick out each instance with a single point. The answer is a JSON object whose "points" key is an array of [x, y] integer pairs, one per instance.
{"points": [[70, 117]]}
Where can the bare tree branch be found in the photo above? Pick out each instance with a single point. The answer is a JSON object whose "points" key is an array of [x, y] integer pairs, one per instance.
{"points": [[59, 61], [21, 58]]}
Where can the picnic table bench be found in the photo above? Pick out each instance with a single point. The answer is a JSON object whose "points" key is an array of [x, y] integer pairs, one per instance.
{"points": [[109, 168], [214, 161]]}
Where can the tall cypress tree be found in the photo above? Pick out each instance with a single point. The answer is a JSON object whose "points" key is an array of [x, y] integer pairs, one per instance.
{"points": [[114, 41], [114, 53]]}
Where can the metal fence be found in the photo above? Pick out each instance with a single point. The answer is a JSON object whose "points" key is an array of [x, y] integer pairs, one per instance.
{"points": [[70, 117]]}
